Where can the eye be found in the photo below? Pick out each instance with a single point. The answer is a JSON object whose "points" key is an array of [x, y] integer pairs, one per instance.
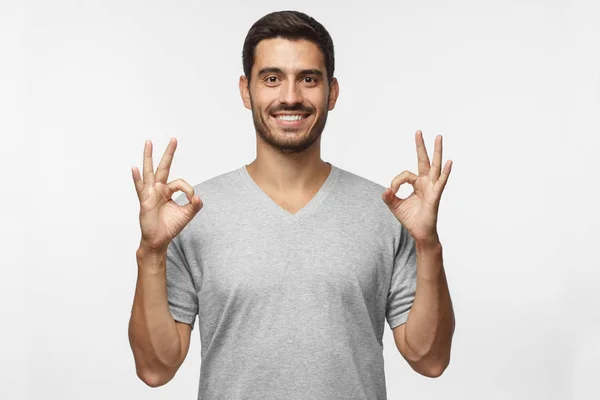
{"points": [[311, 80], [271, 79]]}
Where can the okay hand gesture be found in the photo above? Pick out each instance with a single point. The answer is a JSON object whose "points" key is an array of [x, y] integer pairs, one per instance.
{"points": [[418, 212], [161, 219]]}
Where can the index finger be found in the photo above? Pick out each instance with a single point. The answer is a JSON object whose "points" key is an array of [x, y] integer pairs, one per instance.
{"points": [[164, 167]]}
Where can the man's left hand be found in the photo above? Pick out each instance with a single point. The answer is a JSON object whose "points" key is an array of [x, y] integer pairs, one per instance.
{"points": [[418, 212]]}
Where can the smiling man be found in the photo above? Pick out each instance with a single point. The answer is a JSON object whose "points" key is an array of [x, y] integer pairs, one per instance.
{"points": [[288, 92], [291, 264]]}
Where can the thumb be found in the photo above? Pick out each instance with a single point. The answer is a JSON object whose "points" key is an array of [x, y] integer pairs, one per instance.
{"points": [[192, 208], [390, 199]]}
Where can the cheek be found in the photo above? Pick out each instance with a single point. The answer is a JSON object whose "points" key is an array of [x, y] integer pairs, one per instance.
{"points": [[318, 101]]}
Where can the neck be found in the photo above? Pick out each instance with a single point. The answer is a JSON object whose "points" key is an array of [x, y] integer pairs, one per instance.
{"points": [[288, 173]]}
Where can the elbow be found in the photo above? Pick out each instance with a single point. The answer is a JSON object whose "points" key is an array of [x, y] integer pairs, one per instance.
{"points": [[153, 378], [434, 372], [430, 368]]}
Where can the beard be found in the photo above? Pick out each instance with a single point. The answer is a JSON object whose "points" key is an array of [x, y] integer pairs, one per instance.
{"points": [[294, 142]]}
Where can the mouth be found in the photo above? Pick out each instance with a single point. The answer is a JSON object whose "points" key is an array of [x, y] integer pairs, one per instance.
{"points": [[290, 119]]}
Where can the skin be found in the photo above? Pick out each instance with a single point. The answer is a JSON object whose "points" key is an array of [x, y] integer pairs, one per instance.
{"points": [[288, 164], [418, 212]]}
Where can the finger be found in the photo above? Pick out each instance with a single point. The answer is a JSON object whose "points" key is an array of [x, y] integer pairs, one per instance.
{"points": [[403, 177], [193, 206], [434, 172], [195, 202], [180, 184], [422, 157], [137, 181], [164, 167], [390, 199], [441, 183], [148, 166]]}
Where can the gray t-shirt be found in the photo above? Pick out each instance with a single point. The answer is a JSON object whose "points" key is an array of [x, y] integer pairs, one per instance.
{"points": [[291, 306]]}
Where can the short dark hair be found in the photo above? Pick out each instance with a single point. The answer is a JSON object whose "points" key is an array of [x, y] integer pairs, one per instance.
{"points": [[292, 25]]}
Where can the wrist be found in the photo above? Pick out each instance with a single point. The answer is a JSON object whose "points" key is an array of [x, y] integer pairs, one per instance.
{"points": [[145, 251], [430, 242]]}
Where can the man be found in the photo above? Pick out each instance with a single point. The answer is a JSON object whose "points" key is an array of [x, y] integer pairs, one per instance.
{"points": [[294, 264]]}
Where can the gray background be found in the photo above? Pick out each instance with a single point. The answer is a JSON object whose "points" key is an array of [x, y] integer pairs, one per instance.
{"points": [[512, 86]]}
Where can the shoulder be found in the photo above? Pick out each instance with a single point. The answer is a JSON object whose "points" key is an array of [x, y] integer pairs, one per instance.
{"points": [[213, 188], [222, 195], [359, 185], [360, 193]]}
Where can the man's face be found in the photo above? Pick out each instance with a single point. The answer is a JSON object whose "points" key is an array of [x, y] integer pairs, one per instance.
{"points": [[289, 94]]}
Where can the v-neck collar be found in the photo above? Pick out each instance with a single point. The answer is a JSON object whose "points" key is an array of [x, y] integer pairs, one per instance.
{"points": [[309, 207]]}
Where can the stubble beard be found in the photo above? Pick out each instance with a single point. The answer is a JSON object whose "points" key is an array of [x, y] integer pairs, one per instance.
{"points": [[295, 142]]}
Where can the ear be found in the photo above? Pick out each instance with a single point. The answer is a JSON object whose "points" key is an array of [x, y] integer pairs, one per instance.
{"points": [[334, 92], [245, 92]]}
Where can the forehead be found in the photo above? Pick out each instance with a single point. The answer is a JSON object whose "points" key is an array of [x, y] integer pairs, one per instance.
{"points": [[288, 54]]}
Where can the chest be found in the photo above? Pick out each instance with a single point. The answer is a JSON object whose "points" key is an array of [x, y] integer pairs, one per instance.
{"points": [[312, 263]]}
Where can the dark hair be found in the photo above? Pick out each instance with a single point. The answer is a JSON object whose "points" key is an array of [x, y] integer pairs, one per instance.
{"points": [[292, 25]]}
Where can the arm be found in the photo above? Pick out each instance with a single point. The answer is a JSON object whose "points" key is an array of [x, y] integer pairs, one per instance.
{"points": [[159, 343], [425, 339]]}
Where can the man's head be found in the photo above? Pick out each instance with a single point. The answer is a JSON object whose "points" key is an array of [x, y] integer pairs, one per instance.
{"points": [[288, 65]]}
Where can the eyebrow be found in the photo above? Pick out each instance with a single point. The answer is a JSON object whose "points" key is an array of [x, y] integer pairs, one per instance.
{"points": [[275, 70]]}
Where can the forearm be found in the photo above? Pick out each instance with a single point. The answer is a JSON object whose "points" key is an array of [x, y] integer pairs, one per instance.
{"points": [[430, 326], [153, 334]]}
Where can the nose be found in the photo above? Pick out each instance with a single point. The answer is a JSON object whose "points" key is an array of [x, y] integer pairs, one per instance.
{"points": [[290, 93]]}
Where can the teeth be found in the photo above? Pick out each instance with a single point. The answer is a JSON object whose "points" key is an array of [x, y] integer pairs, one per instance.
{"points": [[290, 117]]}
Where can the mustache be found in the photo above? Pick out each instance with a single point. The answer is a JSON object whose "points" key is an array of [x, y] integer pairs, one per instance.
{"points": [[296, 108]]}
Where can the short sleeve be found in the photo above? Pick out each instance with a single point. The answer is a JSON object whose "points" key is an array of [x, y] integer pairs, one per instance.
{"points": [[403, 281], [181, 291]]}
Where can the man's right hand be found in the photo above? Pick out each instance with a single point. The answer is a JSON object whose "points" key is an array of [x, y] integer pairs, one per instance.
{"points": [[161, 219]]}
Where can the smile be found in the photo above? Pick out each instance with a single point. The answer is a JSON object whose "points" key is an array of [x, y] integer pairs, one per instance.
{"points": [[290, 119]]}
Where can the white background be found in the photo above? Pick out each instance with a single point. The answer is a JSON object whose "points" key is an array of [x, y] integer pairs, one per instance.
{"points": [[513, 87]]}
